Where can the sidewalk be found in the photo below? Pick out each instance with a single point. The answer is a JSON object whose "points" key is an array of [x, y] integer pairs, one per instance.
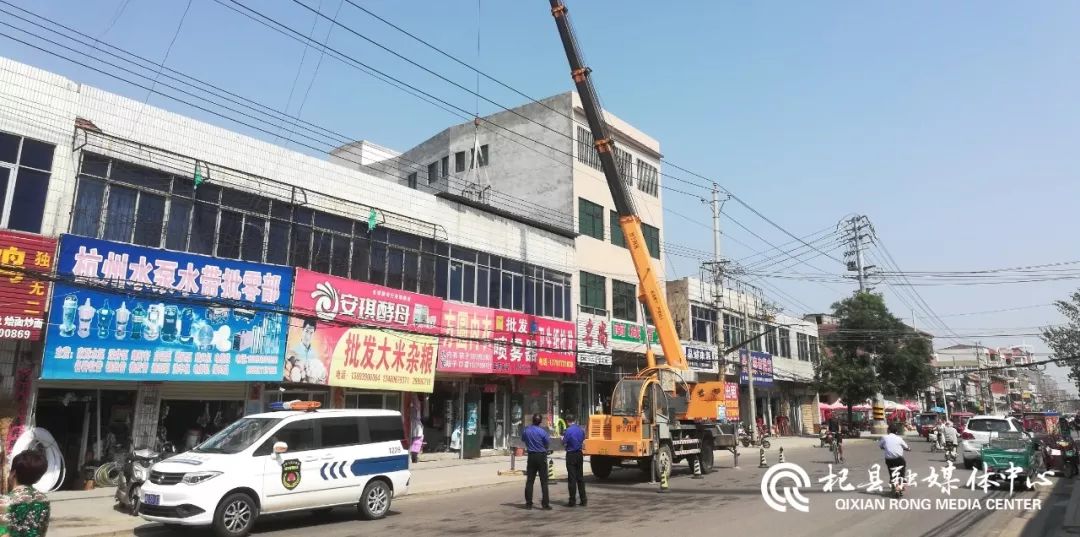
{"points": [[92, 514]]}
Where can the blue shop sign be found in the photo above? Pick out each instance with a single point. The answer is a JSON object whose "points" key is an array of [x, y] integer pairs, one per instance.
{"points": [[763, 367], [126, 312]]}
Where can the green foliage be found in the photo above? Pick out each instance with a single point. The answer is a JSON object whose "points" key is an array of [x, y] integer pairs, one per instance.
{"points": [[870, 336], [1064, 340]]}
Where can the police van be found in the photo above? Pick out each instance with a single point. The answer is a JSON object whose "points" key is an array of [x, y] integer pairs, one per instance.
{"points": [[297, 458]]}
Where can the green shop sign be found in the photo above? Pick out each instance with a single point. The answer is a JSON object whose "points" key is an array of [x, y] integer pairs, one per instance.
{"points": [[631, 332]]}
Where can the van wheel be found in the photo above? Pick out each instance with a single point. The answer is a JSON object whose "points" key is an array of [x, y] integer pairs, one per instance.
{"points": [[235, 516], [375, 502]]}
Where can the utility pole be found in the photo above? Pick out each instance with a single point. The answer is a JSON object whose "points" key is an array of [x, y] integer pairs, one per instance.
{"points": [[856, 235]]}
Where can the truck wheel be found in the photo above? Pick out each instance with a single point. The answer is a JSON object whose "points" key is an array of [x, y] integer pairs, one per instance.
{"points": [[600, 466], [707, 460], [235, 516], [663, 461], [1069, 470], [375, 502]]}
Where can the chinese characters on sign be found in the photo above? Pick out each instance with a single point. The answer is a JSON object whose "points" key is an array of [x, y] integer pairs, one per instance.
{"points": [[731, 400], [22, 295], [632, 333], [529, 343], [379, 359], [593, 344], [345, 301], [763, 367], [467, 347], [137, 313], [701, 357]]}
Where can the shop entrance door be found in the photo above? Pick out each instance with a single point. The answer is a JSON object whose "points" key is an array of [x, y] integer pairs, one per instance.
{"points": [[472, 437]]}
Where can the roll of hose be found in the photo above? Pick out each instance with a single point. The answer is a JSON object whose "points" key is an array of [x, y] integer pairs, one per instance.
{"points": [[107, 475], [40, 439]]}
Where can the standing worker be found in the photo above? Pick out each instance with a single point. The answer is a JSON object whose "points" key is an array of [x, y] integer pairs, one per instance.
{"points": [[536, 443], [573, 440]]}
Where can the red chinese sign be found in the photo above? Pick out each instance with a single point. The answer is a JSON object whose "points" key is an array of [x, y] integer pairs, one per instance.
{"points": [[467, 346], [731, 400], [345, 301], [22, 293], [527, 342]]}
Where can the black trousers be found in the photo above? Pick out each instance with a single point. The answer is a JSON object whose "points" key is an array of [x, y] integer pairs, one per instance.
{"points": [[575, 469], [537, 465]]}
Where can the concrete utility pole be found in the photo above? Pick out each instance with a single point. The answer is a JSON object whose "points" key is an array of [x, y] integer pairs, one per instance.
{"points": [[858, 224]]}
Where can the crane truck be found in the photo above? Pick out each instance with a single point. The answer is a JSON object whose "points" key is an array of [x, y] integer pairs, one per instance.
{"points": [[657, 419]]}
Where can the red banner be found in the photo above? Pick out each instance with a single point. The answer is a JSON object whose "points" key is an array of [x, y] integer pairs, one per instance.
{"points": [[527, 342], [350, 302], [22, 295], [467, 347]]}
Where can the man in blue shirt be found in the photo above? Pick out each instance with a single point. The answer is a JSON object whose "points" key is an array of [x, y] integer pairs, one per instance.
{"points": [[573, 440], [536, 443]]}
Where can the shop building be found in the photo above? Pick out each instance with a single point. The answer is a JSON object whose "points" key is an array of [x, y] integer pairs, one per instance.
{"points": [[783, 358], [145, 182]]}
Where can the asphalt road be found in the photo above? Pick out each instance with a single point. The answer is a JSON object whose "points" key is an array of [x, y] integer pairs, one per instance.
{"points": [[727, 502]]}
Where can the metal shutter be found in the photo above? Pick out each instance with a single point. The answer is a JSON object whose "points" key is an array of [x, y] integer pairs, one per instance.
{"points": [[203, 391]]}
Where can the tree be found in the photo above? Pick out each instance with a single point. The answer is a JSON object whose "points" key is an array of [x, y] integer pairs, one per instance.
{"points": [[869, 340], [1064, 340]]}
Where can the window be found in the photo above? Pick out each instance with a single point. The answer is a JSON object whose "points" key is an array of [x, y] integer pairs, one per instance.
{"points": [[803, 346], [770, 340], [299, 435], [814, 349], [784, 335], [25, 167], [590, 219], [647, 177], [652, 239], [703, 324], [625, 164], [385, 428], [593, 295], [586, 151], [734, 330], [445, 167], [617, 237], [432, 172], [624, 301], [338, 432], [483, 157], [755, 330], [412, 180], [459, 162]]}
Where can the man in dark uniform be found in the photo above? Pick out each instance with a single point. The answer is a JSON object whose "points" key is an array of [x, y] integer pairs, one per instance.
{"points": [[536, 443], [573, 440]]}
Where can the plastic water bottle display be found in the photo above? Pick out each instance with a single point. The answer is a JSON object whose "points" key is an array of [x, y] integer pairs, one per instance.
{"points": [[122, 316], [86, 316], [155, 318], [187, 325], [138, 321], [104, 320], [67, 328], [168, 330], [204, 335], [472, 419]]}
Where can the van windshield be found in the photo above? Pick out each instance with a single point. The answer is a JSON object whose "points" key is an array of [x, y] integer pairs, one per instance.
{"points": [[238, 436]]}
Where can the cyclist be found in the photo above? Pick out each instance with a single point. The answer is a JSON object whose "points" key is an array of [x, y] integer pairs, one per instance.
{"points": [[951, 438], [939, 432], [894, 447], [837, 430]]}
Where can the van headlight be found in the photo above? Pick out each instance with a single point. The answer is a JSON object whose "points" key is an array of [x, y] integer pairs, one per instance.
{"points": [[195, 478]]}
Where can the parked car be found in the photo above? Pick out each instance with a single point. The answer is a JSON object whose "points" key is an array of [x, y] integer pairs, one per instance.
{"points": [[978, 432], [1012, 456]]}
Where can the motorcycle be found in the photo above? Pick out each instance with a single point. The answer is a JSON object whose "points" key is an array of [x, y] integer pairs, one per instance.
{"points": [[746, 441], [1069, 457], [950, 452], [135, 472]]}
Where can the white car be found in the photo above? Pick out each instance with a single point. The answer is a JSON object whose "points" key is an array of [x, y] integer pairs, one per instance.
{"points": [[279, 462], [977, 434]]}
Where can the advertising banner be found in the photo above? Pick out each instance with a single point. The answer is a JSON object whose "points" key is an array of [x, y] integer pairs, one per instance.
{"points": [[763, 367], [126, 312], [632, 333], [593, 344], [22, 295], [731, 400], [339, 335], [468, 345], [701, 357], [526, 344]]}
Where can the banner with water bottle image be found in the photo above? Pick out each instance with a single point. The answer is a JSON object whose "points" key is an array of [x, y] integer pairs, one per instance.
{"points": [[126, 312]]}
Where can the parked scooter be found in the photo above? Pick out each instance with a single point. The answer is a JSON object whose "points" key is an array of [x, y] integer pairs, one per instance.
{"points": [[762, 441], [136, 471], [1070, 459], [950, 452]]}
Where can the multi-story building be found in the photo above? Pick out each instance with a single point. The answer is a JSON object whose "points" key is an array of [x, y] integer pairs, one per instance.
{"points": [[960, 367], [537, 164], [725, 321], [202, 273]]}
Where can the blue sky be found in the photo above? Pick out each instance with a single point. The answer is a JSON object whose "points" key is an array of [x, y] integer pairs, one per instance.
{"points": [[953, 127]]}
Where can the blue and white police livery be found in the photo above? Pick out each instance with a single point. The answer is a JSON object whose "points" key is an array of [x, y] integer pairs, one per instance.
{"points": [[279, 462]]}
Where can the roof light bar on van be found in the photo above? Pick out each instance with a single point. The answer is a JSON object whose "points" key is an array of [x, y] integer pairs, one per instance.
{"points": [[296, 405]]}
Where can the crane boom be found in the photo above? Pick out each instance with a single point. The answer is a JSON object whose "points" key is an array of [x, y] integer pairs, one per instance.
{"points": [[651, 292]]}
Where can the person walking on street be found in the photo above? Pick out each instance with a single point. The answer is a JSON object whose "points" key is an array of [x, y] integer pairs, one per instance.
{"points": [[536, 443], [573, 440], [24, 512]]}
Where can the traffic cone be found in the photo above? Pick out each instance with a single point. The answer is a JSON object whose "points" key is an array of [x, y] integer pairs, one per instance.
{"points": [[697, 468], [664, 486], [762, 463], [781, 455], [551, 469]]}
